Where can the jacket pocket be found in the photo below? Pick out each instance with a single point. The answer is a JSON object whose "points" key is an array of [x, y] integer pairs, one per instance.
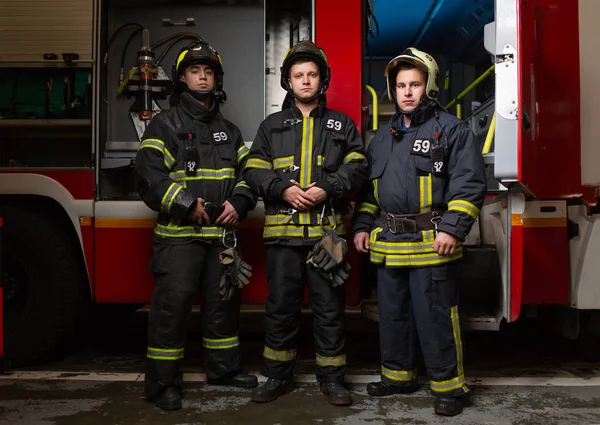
{"points": [[376, 168], [334, 149], [227, 153], [422, 165]]}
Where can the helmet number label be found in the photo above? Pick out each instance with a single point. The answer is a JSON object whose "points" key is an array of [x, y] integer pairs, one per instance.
{"points": [[220, 137], [334, 125]]}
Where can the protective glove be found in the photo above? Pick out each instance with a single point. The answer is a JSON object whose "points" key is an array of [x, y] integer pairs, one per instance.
{"points": [[237, 273], [329, 252], [340, 275]]}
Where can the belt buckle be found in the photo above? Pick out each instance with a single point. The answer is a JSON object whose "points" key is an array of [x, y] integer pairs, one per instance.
{"points": [[391, 224]]}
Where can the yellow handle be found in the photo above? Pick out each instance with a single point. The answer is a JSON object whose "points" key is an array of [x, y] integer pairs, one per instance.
{"points": [[490, 135], [375, 107]]}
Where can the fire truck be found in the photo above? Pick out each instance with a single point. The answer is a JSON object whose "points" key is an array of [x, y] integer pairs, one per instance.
{"points": [[81, 79]]}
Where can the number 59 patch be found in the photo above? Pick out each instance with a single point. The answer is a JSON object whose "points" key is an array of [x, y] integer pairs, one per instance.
{"points": [[421, 147]]}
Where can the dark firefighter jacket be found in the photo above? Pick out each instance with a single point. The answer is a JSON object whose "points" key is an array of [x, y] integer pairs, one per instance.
{"points": [[160, 170], [324, 148], [404, 180]]}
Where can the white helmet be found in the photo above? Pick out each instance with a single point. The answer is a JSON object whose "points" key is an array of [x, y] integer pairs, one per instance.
{"points": [[421, 60]]}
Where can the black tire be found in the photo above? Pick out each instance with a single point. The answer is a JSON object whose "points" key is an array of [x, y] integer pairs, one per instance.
{"points": [[45, 287]]}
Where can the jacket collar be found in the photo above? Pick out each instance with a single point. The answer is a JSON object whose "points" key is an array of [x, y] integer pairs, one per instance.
{"points": [[196, 110], [318, 111]]}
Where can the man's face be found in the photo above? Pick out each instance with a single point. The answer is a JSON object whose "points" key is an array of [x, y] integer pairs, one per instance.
{"points": [[199, 77], [305, 79], [410, 86]]}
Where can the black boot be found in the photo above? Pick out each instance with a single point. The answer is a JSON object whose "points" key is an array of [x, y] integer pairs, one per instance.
{"points": [[271, 389], [448, 406], [169, 399], [337, 394], [382, 389], [239, 379]]}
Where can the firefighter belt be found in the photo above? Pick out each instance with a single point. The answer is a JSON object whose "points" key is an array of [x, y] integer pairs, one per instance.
{"points": [[409, 223], [237, 273]]}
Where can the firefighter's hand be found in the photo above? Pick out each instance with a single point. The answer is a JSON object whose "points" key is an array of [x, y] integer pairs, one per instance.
{"points": [[229, 214], [199, 215], [361, 242], [298, 198], [318, 194], [444, 244]]}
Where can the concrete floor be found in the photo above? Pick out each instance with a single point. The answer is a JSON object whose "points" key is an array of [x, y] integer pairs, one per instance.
{"points": [[122, 403], [518, 376]]}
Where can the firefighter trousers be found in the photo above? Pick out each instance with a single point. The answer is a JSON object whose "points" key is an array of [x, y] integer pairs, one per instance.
{"points": [[287, 273], [180, 270], [420, 304]]}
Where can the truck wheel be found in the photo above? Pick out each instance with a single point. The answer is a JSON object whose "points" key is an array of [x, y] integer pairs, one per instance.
{"points": [[45, 290]]}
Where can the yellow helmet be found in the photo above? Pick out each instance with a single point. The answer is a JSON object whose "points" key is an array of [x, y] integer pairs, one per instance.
{"points": [[421, 60]]}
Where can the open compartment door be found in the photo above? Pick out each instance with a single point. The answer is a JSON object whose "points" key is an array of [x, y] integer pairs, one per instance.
{"points": [[549, 140]]}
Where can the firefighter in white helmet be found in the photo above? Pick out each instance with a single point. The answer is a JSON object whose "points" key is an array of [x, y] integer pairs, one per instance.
{"points": [[427, 184]]}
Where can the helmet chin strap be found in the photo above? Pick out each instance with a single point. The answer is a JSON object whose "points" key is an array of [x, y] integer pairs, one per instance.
{"points": [[309, 100], [199, 94]]}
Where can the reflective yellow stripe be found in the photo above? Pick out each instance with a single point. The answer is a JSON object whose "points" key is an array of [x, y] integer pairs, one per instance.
{"points": [[304, 218], [376, 190], [425, 246], [365, 207], [165, 353], [159, 145], [221, 344], [450, 385], [399, 375], [169, 160], [169, 196], [320, 160], [204, 174], [464, 206], [283, 231], [279, 356], [425, 193], [207, 232], [242, 183], [295, 231], [317, 231], [416, 260], [306, 152], [354, 157], [457, 339], [242, 152], [335, 361], [259, 163], [283, 162], [277, 219]]}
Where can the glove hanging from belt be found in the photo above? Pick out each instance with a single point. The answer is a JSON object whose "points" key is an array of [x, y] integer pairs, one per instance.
{"points": [[328, 255], [329, 252], [237, 273]]}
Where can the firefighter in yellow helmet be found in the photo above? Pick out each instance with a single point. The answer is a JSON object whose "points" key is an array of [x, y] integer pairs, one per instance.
{"points": [[427, 184], [188, 168], [305, 162]]}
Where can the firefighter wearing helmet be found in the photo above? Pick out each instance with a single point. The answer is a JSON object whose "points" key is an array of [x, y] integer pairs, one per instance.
{"points": [[427, 184], [188, 169], [305, 162]]}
